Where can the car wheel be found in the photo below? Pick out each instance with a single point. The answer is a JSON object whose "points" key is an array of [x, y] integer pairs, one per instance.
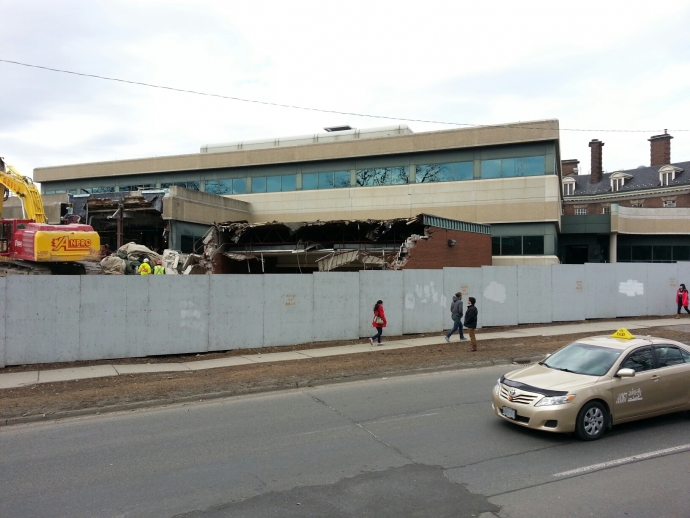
{"points": [[591, 421]]}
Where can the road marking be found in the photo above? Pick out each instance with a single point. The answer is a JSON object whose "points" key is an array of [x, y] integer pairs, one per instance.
{"points": [[626, 460]]}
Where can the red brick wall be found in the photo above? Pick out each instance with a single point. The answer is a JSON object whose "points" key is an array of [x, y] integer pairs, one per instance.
{"points": [[434, 253]]}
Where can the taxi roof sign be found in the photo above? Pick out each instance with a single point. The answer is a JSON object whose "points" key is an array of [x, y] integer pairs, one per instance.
{"points": [[623, 333]]}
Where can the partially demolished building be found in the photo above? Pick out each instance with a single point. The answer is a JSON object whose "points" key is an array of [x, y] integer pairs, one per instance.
{"points": [[424, 241], [506, 176]]}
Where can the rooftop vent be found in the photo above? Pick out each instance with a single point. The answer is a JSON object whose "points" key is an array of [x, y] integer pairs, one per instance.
{"points": [[344, 127]]}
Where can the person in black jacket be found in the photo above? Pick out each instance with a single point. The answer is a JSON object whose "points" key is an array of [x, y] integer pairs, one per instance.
{"points": [[471, 321]]}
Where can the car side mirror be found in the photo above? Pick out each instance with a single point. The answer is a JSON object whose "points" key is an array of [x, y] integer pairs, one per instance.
{"points": [[625, 373]]}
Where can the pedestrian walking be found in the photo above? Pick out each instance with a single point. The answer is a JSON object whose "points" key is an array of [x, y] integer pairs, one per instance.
{"points": [[456, 312], [159, 269], [379, 322], [682, 299], [471, 321], [145, 267]]}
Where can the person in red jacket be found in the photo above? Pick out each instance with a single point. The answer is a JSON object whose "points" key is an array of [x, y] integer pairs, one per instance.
{"points": [[379, 322], [682, 299]]}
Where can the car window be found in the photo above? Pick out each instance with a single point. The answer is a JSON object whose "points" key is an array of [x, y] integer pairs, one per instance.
{"points": [[580, 358], [639, 360], [668, 355], [686, 355]]}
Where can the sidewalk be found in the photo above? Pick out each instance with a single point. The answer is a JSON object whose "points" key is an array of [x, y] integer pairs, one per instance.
{"points": [[23, 379]]}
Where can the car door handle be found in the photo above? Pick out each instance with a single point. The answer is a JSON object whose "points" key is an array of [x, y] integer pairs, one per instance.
{"points": [[656, 378]]}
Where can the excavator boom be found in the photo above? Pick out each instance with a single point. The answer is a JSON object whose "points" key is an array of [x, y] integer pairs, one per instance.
{"points": [[26, 191]]}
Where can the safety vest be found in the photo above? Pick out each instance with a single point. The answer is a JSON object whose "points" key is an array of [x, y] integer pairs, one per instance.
{"points": [[158, 270], [145, 269]]}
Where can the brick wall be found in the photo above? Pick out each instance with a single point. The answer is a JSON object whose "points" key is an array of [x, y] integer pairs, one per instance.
{"points": [[434, 253]]}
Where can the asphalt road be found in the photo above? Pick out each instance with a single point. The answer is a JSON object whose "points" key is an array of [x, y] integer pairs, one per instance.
{"points": [[424, 445]]}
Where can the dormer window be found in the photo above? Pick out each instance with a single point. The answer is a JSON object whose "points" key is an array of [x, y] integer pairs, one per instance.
{"points": [[568, 186], [668, 173], [618, 180]]}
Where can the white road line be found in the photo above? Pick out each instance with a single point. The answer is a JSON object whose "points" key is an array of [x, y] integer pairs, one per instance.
{"points": [[626, 460]]}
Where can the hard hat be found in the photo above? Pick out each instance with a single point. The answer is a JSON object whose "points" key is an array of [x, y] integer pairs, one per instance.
{"points": [[159, 262], [146, 259]]}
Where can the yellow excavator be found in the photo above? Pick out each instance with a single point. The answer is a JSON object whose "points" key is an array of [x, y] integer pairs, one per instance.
{"points": [[31, 246]]}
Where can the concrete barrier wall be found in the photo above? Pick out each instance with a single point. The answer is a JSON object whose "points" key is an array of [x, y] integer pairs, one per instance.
{"points": [[3, 317], [60, 319]]}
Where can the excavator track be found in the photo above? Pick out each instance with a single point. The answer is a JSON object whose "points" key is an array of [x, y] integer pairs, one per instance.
{"points": [[29, 268]]}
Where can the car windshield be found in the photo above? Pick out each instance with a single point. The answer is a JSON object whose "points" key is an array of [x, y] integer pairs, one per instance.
{"points": [[591, 360]]}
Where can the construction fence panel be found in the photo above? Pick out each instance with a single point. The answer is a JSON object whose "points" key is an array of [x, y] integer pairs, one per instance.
{"points": [[632, 289], [236, 312], [42, 320], [288, 309], [102, 316], [661, 288], [3, 317], [568, 300], [534, 294], [499, 296], [386, 286], [137, 314], [425, 303], [178, 313], [467, 281], [336, 306], [601, 290]]}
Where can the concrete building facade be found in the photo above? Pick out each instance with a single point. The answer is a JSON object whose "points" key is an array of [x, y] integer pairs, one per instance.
{"points": [[507, 176]]}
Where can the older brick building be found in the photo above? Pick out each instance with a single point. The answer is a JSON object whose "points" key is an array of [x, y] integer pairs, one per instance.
{"points": [[632, 215]]}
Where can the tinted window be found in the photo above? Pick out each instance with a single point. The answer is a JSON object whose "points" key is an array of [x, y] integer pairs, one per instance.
{"points": [[533, 165], [668, 355], [591, 360], [259, 184], [239, 186], [491, 168], [464, 170], [325, 180], [382, 176], [495, 246], [639, 360], [533, 245], [511, 245], [686, 355], [273, 184], [341, 179], [219, 186], [289, 182], [310, 181]]}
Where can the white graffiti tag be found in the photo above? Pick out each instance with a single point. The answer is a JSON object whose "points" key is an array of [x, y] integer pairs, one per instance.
{"points": [[495, 292], [425, 294], [189, 316], [631, 288]]}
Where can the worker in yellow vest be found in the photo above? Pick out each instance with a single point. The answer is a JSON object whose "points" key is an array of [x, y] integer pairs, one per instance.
{"points": [[158, 269], [145, 267]]}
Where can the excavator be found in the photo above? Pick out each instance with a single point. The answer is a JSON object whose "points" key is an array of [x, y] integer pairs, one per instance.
{"points": [[31, 246]]}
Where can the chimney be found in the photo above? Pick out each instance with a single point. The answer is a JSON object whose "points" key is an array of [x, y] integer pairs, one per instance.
{"points": [[570, 167], [660, 149], [595, 175]]}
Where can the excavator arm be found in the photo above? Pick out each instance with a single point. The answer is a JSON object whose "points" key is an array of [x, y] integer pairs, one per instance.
{"points": [[26, 191]]}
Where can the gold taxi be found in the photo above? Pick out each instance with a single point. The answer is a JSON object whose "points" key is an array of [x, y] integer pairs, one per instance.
{"points": [[592, 384]]}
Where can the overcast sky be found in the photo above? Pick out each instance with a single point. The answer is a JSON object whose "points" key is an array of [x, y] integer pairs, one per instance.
{"points": [[592, 65]]}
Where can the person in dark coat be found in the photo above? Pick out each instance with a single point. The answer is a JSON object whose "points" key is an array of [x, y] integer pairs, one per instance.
{"points": [[471, 321], [456, 313], [379, 322]]}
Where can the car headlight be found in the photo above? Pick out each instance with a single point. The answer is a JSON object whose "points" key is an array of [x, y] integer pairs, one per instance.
{"points": [[556, 400]]}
